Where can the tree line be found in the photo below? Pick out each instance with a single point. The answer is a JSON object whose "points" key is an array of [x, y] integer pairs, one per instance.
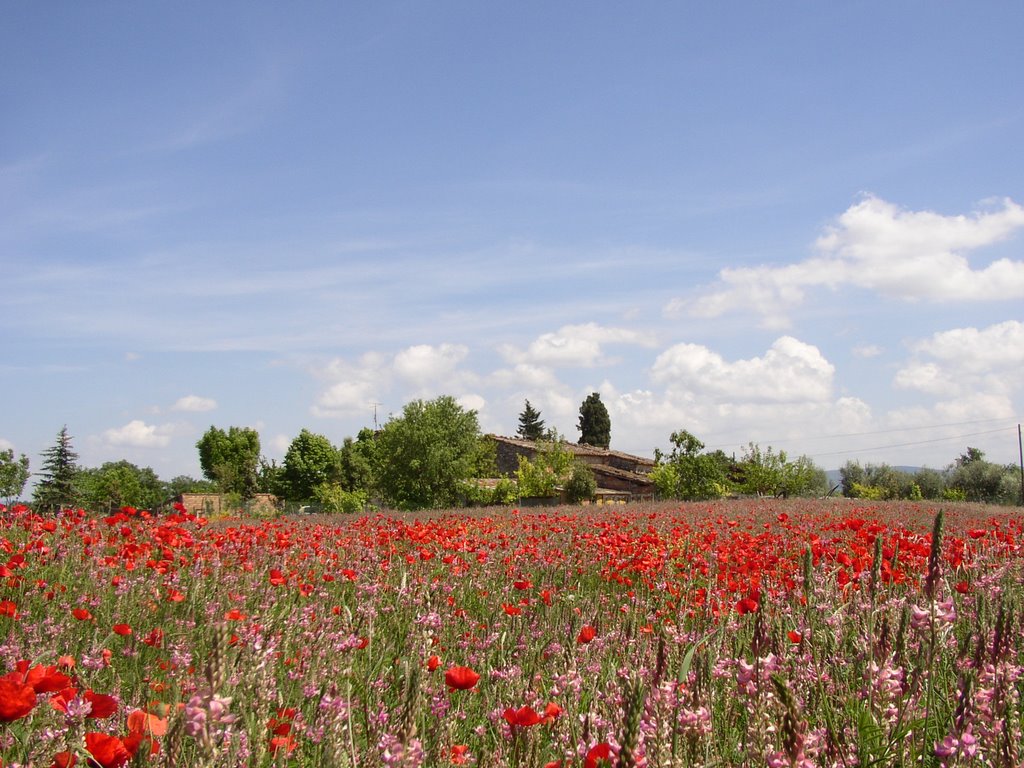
{"points": [[433, 455]]}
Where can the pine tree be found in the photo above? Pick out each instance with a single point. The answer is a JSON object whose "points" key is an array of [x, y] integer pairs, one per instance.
{"points": [[595, 425], [56, 488], [531, 425]]}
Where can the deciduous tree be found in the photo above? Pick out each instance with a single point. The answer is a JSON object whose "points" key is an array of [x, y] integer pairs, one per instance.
{"points": [[13, 475], [686, 473], [231, 459], [310, 461], [118, 484], [424, 455]]}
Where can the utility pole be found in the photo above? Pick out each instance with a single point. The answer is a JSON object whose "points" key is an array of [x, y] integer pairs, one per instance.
{"points": [[1020, 449]]}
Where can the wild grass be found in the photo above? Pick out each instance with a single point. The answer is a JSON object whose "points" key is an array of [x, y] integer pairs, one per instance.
{"points": [[798, 633]]}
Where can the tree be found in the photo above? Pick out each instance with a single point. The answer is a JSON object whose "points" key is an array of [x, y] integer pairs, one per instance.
{"points": [[424, 455], [979, 480], [355, 461], [13, 475], [56, 488], [119, 484], [595, 425], [185, 484], [531, 425], [310, 462], [231, 459], [549, 470], [767, 473], [686, 473]]}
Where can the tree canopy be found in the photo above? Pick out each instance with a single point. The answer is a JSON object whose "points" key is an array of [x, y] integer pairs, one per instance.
{"points": [[595, 425], [426, 453], [231, 459], [310, 461], [531, 425], [57, 486], [118, 484], [687, 473], [13, 475]]}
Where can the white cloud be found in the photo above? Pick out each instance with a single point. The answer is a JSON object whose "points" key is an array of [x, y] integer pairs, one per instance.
{"points": [[574, 345], [6, 445], [867, 350], [875, 245], [791, 371], [424, 363], [138, 434], [974, 372], [472, 402], [195, 404]]}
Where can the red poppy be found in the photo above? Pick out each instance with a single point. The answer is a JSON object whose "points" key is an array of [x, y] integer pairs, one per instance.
{"points": [[286, 744], [794, 636], [102, 704], [82, 614], [16, 699], [234, 615], [9, 608], [599, 752], [511, 610], [523, 717], [64, 760], [122, 629], [459, 754], [586, 634], [551, 711], [433, 663], [43, 679], [461, 678], [107, 751]]}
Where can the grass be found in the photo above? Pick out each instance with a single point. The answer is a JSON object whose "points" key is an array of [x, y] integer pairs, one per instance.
{"points": [[791, 633]]}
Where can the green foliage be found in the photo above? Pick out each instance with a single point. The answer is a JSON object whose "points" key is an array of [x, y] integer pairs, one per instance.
{"points": [[118, 484], [185, 484], [425, 454], [581, 484], [231, 459], [550, 469], [335, 499], [355, 461], [13, 475], [503, 492], [310, 462], [983, 481], [531, 425], [595, 425], [270, 478], [889, 483], [57, 487], [686, 473], [767, 473]]}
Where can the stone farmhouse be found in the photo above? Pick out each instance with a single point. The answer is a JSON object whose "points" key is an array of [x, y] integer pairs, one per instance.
{"points": [[619, 476]]}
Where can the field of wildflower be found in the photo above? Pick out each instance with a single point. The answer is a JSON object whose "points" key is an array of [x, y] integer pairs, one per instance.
{"points": [[754, 633]]}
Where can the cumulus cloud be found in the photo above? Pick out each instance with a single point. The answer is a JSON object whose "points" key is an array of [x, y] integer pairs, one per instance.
{"points": [[138, 434], [424, 363], [574, 345], [790, 371], [195, 404], [975, 370], [419, 371], [878, 246]]}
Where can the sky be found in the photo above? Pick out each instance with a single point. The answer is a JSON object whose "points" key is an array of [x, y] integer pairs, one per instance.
{"points": [[795, 224]]}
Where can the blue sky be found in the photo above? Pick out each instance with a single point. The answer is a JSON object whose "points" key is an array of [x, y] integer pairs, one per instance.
{"points": [[797, 224]]}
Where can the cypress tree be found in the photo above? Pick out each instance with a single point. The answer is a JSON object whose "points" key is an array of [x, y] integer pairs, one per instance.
{"points": [[595, 424]]}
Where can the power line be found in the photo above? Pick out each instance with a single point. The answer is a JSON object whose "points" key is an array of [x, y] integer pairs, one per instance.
{"points": [[916, 442], [877, 432]]}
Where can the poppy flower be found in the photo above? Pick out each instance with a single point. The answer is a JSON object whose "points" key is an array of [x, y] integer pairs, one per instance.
{"points": [[586, 634], [433, 663], [146, 723], [599, 752], [523, 717], [16, 699], [102, 704], [551, 711], [43, 679], [122, 629], [82, 614], [459, 754], [64, 760], [461, 678], [511, 610], [794, 636], [107, 751]]}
